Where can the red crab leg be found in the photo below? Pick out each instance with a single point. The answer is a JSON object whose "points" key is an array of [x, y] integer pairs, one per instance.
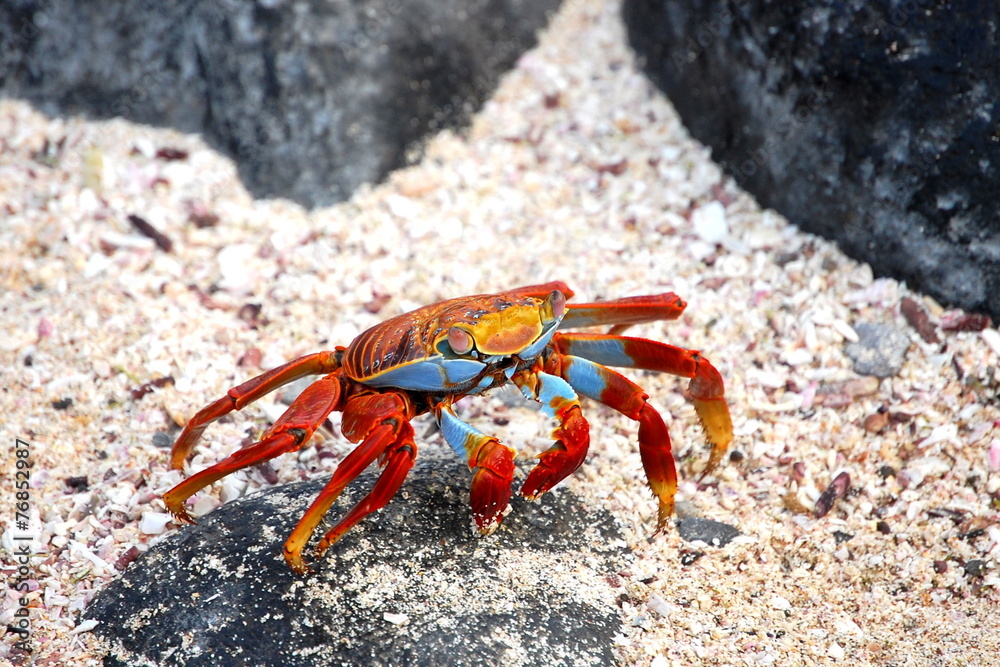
{"points": [[543, 290], [381, 423], [572, 436], [618, 392], [492, 463], [623, 313], [290, 432], [319, 363], [707, 391]]}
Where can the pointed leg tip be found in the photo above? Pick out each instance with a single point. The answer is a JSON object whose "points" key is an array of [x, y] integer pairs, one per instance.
{"points": [[177, 510], [540, 481], [487, 524], [715, 420], [486, 529], [298, 567], [296, 562], [535, 494], [664, 512], [714, 460]]}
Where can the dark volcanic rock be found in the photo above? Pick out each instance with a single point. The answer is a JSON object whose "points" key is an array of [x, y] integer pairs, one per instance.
{"points": [[311, 98], [711, 532], [410, 585], [872, 123]]}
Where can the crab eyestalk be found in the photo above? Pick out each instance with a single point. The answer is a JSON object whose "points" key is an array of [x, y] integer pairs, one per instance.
{"points": [[554, 307]]}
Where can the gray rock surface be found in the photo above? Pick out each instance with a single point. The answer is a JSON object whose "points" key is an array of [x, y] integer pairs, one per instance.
{"points": [[871, 123], [410, 585], [311, 98], [880, 350]]}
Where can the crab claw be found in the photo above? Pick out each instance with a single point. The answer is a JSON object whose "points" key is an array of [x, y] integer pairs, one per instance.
{"points": [[492, 464], [561, 459], [490, 492]]}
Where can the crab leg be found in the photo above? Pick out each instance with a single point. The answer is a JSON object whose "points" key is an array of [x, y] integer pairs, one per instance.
{"points": [[543, 290], [491, 461], [572, 436], [381, 422], [618, 392], [290, 432], [319, 363], [707, 391], [623, 313]]}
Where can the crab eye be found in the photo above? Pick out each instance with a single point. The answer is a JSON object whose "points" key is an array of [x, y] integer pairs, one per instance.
{"points": [[460, 341], [555, 307]]}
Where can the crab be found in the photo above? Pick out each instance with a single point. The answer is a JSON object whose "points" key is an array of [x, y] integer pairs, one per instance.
{"points": [[426, 360]]}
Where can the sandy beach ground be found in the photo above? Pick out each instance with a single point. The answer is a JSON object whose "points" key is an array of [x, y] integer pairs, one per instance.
{"points": [[576, 169]]}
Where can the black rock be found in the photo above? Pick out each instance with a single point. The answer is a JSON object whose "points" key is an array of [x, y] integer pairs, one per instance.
{"points": [[311, 98], [975, 567], [410, 585], [841, 537], [875, 124], [711, 532]]}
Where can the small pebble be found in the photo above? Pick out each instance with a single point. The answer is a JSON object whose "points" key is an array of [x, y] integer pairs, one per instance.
{"points": [[144, 227], [992, 338], [975, 567], [396, 619], [886, 472], [691, 557], [876, 422], [162, 440], [917, 317], [880, 350], [994, 454], [712, 533], [154, 523], [251, 358], [836, 651], [658, 605], [780, 603], [45, 328], [926, 466], [841, 537], [709, 222], [836, 490], [77, 483], [127, 558], [959, 320]]}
